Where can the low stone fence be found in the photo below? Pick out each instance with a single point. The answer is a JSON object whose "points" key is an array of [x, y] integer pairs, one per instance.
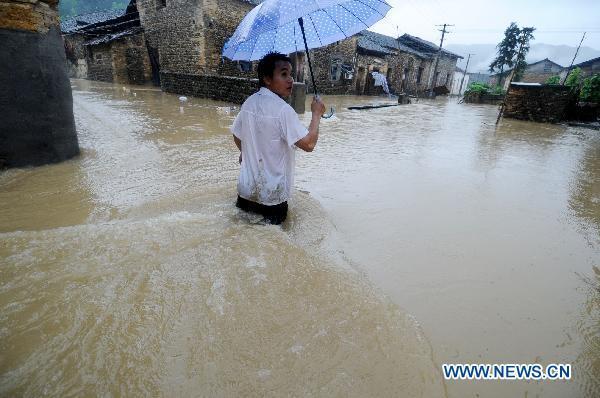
{"points": [[220, 88], [538, 103], [475, 97]]}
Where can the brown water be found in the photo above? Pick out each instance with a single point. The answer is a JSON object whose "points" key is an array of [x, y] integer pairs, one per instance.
{"points": [[418, 235]]}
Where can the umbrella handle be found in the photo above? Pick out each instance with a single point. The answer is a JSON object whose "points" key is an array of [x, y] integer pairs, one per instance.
{"points": [[312, 76], [331, 110]]}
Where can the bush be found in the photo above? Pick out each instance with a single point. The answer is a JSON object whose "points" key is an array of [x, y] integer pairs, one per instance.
{"points": [[590, 90], [553, 80], [574, 78], [484, 89]]}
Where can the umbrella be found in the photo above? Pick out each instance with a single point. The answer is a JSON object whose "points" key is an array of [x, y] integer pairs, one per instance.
{"points": [[288, 26]]}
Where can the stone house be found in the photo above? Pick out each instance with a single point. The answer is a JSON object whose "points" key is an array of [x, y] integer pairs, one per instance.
{"points": [[588, 68], [108, 46], [536, 72], [345, 67], [185, 39]]}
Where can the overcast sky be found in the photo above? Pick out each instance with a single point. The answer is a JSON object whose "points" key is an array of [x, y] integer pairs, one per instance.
{"points": [[556, 22]]}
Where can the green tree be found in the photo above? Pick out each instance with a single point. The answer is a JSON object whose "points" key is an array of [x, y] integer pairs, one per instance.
{"points": [[507, 49], [553, 80], [525, 36], [590, 90]]}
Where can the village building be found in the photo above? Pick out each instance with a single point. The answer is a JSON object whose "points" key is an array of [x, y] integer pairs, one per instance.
{"points": [[536, 72], [460, 82], [108, 46], [588, 68], [178, 45], [478, 77], [346, 67]]}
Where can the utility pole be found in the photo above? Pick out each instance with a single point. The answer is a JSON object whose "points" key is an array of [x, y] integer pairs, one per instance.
{"points": [[573, 61], [464, 74], [437, 60]]}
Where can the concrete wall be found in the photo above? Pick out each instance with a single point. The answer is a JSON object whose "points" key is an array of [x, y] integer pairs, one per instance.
{"points": [[456, 88], [537, 103], [37, 124]]}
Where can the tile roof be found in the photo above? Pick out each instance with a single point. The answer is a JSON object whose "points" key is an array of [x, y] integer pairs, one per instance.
{"points": [[425, 46], [585, 63], [107, 38], [382, 44], [72, 24]]}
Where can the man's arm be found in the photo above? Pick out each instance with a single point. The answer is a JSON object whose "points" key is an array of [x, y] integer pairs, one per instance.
{"points": [[309, 141], [238, 143]]}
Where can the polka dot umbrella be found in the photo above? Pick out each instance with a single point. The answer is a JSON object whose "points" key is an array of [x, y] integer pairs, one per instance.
{"points": [[288, 26]]}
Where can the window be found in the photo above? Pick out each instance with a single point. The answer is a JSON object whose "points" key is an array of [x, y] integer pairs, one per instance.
{"points": [[244, 66], [389, 74], [447, 79], [436, 80], [336, 69], [547, 68], [419, 75], [161, 4]]}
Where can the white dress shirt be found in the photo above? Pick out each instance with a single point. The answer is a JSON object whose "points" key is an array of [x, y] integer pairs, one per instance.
{"points": [[268, 128]]}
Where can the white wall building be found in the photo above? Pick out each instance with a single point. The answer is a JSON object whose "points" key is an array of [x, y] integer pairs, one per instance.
{"points": [[458, 76]]}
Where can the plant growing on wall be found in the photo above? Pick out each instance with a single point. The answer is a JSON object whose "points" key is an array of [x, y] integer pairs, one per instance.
{"points": [[574, 78], [590, 90], [553, 80]]}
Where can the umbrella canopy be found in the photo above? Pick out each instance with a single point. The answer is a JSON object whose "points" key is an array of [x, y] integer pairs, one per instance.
{"points": [[273, 25]]}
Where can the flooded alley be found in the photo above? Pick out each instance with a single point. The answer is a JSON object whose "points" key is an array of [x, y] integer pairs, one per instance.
{"points": [[418, 235]]}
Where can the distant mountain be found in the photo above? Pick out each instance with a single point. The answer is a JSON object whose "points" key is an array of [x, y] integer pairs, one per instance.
{"points": [[485, 53]]}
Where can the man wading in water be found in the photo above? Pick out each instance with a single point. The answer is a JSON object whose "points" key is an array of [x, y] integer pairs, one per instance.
{"points": [[266, 131]]}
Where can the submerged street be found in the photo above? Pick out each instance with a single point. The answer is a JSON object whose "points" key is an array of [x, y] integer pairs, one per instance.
{"points": [[418, 235]]}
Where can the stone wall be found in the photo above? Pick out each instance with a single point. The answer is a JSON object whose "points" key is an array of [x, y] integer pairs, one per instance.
{"points": [[189, 34], [221, 88], [123, 61], [221, 18], [131, 64], [322, 58], [37, 124], [176, 32], [28, 15], [99, 61], [76, 56], [544, 103]]}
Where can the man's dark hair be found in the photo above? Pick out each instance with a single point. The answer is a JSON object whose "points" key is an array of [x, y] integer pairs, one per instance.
{"points": [[266, 66]]}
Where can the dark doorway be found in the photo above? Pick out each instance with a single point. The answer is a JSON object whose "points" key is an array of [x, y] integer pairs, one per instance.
{"points": [[154, 63]]}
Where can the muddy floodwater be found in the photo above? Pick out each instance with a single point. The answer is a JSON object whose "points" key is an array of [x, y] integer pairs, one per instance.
{"points": [[418, 235]]}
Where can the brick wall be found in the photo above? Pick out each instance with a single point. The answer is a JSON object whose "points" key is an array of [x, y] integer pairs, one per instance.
{"points": [[222, 88], [537, 103]]}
